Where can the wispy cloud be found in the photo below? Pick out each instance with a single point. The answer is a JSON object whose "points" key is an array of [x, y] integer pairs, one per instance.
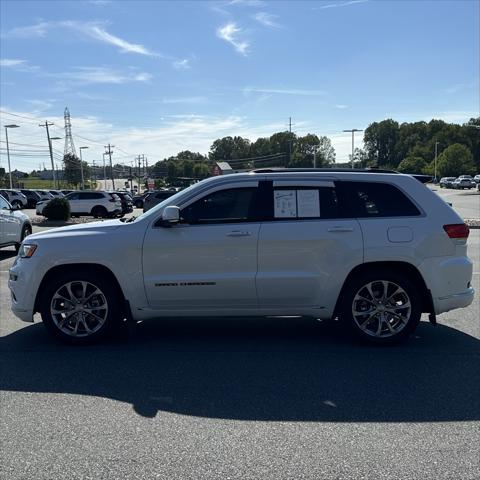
{"points": [[100, 3], [267, 19], [103, 75], [18, 65], [186, 100], [454, 88], [232, 34], [340, 4], [41, 105], [11, 62], [248, 3], [285, 91], [183, 64], [101, 34], [93, 30], [341, 106]]}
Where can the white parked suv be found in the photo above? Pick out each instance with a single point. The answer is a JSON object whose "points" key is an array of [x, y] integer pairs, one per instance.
{"points": [[373, 249], [16, 199], [86, 202], [15, 226]]}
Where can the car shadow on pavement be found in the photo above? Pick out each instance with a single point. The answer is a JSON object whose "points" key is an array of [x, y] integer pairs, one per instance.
{"points": [[257, 369]]}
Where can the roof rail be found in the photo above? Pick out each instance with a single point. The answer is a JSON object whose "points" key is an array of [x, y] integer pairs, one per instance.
{"points": [[331, 170], [420, 178]]}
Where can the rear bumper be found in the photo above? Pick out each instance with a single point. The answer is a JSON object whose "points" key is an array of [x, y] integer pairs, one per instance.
{"points": [[456, 300], [449, 280]]}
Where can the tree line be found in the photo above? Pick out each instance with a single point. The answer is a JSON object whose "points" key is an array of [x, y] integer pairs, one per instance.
{"points": [[406, 147], [410, 147]]}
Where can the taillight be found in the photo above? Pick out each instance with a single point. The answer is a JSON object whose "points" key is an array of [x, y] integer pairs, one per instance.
{"points": [[457, 230]]}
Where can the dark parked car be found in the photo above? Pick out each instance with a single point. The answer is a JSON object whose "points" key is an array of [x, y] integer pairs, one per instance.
{"points": [[127, 202], [154, 198], [32, 197], [139, 199]]}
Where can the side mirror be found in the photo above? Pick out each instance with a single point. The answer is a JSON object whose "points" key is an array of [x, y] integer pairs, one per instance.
{"points": [[170, 216]]}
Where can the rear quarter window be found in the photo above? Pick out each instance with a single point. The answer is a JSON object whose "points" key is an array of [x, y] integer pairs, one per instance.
{"points": [[372, 199]]}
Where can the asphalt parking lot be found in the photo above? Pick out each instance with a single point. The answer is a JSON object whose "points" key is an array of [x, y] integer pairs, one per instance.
{"points": [[243, 399]]}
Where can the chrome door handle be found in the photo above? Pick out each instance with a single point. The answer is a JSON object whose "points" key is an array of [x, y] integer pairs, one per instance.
{"points": [[340, 229], [238, 233]]}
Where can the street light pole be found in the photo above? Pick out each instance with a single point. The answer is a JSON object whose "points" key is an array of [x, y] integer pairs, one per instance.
{"points": [[81, 167], [353, 130], [8, 152]]}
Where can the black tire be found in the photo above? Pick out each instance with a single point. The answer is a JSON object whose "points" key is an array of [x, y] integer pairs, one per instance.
{"points": [[99, 211], [138, 204], [109, 298], [26, 231], [371, 322]]}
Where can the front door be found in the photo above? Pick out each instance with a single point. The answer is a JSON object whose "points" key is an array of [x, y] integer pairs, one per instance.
{"points": [[208, 261]]}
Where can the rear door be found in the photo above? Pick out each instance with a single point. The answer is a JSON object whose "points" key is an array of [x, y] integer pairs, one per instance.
{"points": [[307, 247]]}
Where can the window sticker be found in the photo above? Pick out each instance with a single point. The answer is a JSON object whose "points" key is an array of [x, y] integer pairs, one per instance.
{"points": [[308, 202], [285, 202]]}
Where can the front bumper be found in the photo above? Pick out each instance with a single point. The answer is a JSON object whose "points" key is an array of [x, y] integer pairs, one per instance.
{"points": [[23, 287]]}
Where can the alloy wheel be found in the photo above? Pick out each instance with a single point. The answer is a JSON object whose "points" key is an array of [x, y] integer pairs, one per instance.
{"points": [[381, 308], [79, 308]]}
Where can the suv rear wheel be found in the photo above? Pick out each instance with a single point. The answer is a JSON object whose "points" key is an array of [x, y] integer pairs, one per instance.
{"points": [[99, 211], [79, 307], [381, 307]]}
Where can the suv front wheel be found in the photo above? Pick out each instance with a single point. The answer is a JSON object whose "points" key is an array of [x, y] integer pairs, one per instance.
{"points": [[381, 307], [80, 307]]}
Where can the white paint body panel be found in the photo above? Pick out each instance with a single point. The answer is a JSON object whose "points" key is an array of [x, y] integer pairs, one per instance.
{"points": [[294, 267]]}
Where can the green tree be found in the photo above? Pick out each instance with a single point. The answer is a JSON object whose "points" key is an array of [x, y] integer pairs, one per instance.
{"points": [[380, 140], [455, 160], [229, 148], [412, 165], [72, 172]]}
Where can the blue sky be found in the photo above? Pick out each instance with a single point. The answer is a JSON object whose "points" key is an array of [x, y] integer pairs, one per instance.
{"points": [[157, 77]]}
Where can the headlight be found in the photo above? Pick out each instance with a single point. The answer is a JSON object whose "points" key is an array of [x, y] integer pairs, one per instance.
{"points": [[27, 250]]}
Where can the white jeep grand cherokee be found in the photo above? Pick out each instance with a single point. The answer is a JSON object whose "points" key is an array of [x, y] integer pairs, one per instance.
{"points": [[373, 249]]}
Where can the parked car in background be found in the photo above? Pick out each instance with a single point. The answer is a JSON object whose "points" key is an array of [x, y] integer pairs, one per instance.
{"points": [[32, 197], [90, 202], [464, 182], [15, 226], [45, 195], [139, 199], [476, 178], [447, 182], [15, 198], [156, 197], [126, 200], [375, 250], [57, 193]]}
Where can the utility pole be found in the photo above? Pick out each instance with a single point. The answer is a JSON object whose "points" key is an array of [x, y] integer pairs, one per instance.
{"points": [[81, 167], [94, 174], [109, 153], [353, 130], [435, 174], [104, 173], [8, 152], [47, 124]]}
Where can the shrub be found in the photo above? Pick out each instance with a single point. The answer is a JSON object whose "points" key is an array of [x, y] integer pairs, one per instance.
{"points": [[57, 209]]}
